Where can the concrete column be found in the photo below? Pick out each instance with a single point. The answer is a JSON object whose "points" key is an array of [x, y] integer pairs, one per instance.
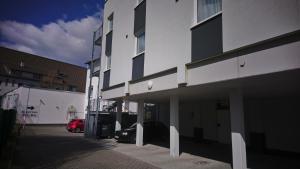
{"points": [[174, 126], [140, 121], [237, 130], [118, 116]]}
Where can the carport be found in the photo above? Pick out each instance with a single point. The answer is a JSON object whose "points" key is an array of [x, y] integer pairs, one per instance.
{"points": [[246, 122]]}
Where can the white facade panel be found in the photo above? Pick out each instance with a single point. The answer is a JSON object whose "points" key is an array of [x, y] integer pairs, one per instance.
{"points": [[219, 71], [113, 93], [246, 22], [160, 83], [282, 58], [168, 35], [123, 40]]}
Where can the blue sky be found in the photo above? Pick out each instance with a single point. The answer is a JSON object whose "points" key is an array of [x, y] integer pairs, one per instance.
{"points": [[57, 29]]}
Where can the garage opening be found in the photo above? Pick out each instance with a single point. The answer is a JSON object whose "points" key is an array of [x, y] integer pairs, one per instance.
{"points": [[205, 129], [272, 132], [156, 124]]}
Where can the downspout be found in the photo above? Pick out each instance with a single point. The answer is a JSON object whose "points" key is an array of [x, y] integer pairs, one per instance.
{"points": [[87, 132], [98, 93]]}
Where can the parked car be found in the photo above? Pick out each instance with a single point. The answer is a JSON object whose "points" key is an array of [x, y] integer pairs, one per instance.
{"points": [[152, 130], [76, 125]]}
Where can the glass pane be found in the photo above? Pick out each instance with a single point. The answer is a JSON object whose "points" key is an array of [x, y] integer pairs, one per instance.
{"points": [[139, 1], [110, 25], [108, 62], [141, 43], [207, 8]]}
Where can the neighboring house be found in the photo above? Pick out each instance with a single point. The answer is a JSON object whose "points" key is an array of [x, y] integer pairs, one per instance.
{"points": [[23, 69], [220, 70], [44, 106]]}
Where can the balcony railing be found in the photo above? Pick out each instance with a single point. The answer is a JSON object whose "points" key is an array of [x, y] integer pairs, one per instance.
{"points": [[98, 36]]}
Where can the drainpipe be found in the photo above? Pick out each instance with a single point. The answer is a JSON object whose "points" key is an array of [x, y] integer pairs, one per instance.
{"points": [[87, 132], [97, 107], [98, 90]]}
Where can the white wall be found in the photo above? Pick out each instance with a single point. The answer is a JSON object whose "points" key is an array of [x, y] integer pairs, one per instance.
{"points": [[123, 49], [168, 35], [249, 21], [50, 106]]}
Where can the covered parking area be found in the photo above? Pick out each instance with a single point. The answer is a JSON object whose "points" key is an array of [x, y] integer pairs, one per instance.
{"points": [[250, 122]]}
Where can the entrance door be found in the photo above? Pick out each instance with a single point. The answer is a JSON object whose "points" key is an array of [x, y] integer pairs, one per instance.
{"points": [[223, 123]]}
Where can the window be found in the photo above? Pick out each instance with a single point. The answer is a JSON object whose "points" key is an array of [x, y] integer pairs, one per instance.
{"points": [[140, 43], [208, 8], [139, 1], [110, 23], [27, 75], [108, 62]]}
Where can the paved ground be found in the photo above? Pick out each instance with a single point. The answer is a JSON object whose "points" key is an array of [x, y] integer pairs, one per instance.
{"points": [[159, 156], [55, 148]]}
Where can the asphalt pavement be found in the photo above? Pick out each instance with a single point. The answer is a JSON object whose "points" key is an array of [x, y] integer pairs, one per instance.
{"points": [[52, 147]]}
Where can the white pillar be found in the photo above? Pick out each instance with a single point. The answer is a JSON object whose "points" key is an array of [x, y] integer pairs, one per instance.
{"points": [[174, 126], [237, 130], [140, 121], [118, 116]]}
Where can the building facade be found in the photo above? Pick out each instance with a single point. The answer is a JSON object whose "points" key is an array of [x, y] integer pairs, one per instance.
{"points": [[23, 69], [44, 106], [227, 69]]}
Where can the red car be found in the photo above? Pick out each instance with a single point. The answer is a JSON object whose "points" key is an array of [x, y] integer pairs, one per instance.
{"points": [[76, 125]]}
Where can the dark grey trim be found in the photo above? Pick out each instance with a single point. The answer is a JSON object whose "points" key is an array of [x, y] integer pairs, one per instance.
{"points": [[97, 73], [108, 44], [113, 87], [106, 79], [155, 75], [203, 22], [255, 47], [95, 59], [98, 41], [139, 4], [182, 85], [138, 67], [140, 18], [207, 39]]}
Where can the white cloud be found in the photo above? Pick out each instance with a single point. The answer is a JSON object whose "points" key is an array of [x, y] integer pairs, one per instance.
{"points": [[68, 41]]}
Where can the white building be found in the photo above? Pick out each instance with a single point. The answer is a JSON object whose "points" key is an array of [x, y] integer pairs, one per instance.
{"points": [[93, 89], [225, 68], [44, 106]]}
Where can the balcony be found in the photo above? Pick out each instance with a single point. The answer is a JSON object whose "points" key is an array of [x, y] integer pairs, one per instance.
{"points": [[98, 36]]}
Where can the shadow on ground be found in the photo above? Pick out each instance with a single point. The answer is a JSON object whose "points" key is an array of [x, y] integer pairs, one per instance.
{"points": [[50, 151], [222, 152]]}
